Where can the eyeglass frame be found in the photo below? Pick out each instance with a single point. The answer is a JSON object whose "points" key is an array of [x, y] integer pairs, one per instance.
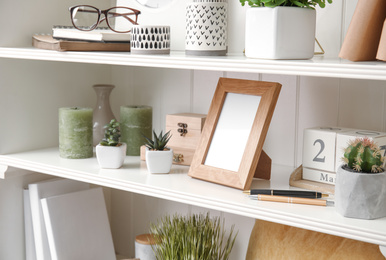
{"points": [[99, 20]]}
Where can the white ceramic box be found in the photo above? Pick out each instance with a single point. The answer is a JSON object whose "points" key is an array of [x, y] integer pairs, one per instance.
{"points": [[280, 33]]}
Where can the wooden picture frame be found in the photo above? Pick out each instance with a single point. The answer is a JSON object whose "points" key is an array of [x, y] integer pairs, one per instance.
{"points": [[240, 175]]}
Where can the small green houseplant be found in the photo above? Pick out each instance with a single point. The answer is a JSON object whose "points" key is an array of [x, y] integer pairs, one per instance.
{"points": [[110, 151], [363, 155], [192, 237], [292, 3], [159, 157], [281, 29], [360, 188]]}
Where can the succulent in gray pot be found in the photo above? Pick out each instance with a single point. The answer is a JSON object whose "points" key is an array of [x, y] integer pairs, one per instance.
{"points": [[360, 189], [281, 29], [159, 157], [110, 151]]}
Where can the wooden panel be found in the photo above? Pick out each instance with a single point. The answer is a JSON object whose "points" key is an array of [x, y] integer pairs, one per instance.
{"points": [[275, 241]]}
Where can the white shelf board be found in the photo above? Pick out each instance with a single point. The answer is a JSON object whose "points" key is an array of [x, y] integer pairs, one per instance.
{"points": [[178, 186], [318, 66]]}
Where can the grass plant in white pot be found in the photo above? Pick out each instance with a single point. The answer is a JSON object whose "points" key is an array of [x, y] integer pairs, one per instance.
{"points": [[360, 188], [159, 157], [196, 236], [110, 151], [281, 29]]}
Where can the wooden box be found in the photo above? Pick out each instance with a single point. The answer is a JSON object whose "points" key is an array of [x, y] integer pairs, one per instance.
{"points": [[185, 129]]}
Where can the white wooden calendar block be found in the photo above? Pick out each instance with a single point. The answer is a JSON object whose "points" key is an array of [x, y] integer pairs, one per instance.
{"points": [[319, 147], [343, 139], [319, 176]]}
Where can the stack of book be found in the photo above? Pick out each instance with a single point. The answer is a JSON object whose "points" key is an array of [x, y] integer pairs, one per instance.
{"points": [[67, 38], [66, 219]]}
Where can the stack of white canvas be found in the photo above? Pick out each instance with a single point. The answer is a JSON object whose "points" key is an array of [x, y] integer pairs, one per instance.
{"points": [[65, 219]]}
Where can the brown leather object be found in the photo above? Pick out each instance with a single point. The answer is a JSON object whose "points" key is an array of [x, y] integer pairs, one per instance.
{"points": [[276, 241]]}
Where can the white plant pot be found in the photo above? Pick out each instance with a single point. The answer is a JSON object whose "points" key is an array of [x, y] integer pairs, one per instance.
{"points": [[206, 28], [280, 33], [111, 157], [159, 161], [360, 195]]}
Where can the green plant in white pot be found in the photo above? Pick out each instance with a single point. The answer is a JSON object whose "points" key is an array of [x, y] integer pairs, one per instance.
{"points": [[110, 151], [159, 157], [281, 29], [192, 237], [360, 188]]}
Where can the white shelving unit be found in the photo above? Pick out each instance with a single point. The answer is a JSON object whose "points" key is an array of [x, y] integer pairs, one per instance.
{"points": [[35, 82], [317, 67], [179, 187]]}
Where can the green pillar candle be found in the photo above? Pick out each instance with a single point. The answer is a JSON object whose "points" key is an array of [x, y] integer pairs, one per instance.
{"points": [[75, 132], [136, 121]]}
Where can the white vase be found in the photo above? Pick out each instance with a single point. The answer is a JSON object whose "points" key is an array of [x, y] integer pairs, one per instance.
{"points": [[111, 157], [206, 28], [159, 161], [360, 195], [280, 33]]}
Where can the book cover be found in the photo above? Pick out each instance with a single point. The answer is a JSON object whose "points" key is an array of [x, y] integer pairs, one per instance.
{"points": [[45, 189], [98, 34], [30, 253], [46, 42], [78, 226]]}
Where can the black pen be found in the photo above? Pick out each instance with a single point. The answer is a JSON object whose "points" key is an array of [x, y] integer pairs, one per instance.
{"points": [[288, 193]]}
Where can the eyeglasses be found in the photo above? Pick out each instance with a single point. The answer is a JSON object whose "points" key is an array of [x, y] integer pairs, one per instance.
{"points": [[119, 19]]}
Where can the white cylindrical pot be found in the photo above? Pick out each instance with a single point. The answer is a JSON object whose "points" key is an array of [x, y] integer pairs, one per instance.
{"points": [[360, 195], [150, 39], [143, 247], [280, 33], [206, 28]]}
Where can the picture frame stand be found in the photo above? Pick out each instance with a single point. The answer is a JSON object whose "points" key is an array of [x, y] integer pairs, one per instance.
{"points": [[263, 169]]}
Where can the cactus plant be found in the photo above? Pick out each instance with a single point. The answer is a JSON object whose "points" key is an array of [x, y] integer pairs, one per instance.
{"points": [[159, 143], [112, 134], [363, 155]]}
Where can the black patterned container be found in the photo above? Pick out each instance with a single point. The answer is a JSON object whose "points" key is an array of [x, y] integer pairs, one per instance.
{"points": [[150, 39], [206, 28]]}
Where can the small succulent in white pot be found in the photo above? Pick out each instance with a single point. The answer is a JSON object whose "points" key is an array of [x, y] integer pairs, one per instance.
{"points": [[110, 151], [360, 189], [159, 157]]}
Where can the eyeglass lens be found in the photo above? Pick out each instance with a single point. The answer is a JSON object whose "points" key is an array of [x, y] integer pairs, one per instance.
{"points": [[85, 17], [121, 19], [118, 19]]}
